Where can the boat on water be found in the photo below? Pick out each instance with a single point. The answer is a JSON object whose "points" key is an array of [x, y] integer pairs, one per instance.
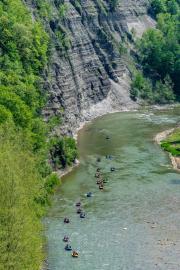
{"points": [[89, 194], [75, 254], [68, 248], [78, 204], [66, 220], [82, 215], [66, 238], [79, 211]]}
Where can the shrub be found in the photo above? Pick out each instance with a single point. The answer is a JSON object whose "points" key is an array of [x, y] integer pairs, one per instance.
{"points": [[51, 182], [63, 151]]}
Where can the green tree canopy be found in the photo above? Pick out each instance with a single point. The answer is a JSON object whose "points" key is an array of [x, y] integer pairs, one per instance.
{"points": [[159, 50]]}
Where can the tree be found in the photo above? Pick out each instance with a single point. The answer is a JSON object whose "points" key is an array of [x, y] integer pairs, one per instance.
{"points": [[63, 151], [5, 114], [20, 228], [141, 88], [164, 91], [158, 6], [159, 48]]}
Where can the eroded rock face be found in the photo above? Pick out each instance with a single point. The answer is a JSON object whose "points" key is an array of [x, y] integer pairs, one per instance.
{"points": [[86, 69]]}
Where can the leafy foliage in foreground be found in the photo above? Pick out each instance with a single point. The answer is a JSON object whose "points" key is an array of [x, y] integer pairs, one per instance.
{"points": [[26, 178], [23, 47], [24, 194], [20, 183], [158, 53]]}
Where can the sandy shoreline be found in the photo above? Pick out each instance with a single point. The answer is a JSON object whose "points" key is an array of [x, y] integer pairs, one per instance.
{"points": [[162, 136]]}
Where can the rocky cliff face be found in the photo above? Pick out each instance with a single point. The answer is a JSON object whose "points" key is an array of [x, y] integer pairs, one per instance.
{"points": [[87, 74]]}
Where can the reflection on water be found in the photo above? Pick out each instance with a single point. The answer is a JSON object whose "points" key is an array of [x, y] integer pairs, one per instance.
{"points": [[134, 223]]}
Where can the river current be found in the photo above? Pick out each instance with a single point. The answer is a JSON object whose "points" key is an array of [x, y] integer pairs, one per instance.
{"points": [[134, 223]]}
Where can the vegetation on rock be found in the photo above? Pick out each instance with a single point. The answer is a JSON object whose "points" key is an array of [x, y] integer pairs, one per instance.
{"points": [[158, 54]]}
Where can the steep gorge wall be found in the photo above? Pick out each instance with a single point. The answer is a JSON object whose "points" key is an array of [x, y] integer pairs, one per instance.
{"points": [[87, 76]]}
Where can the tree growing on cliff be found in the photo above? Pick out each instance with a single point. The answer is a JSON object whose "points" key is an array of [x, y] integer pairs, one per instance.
{"points": [[158, 52]]}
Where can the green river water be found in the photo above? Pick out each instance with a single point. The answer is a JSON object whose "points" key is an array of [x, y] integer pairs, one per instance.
{"points": [[134, 223]]}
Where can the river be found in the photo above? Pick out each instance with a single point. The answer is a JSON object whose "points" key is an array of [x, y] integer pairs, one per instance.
{"points": [[134, 223]]}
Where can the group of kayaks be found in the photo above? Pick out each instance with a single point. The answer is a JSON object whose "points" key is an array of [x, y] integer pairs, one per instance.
{"points": [[66, 240], [69, 248], [99, 176], [100, 181], [82, 214]]}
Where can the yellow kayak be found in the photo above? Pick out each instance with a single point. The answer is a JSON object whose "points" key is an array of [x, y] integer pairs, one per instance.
{"points": [[75, 254]]}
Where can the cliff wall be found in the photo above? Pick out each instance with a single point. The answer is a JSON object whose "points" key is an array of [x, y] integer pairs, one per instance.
{"points": [[88, 74]]}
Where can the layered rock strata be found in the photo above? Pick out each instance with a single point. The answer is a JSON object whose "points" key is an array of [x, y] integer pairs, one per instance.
{"points": [[88, 73]]}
